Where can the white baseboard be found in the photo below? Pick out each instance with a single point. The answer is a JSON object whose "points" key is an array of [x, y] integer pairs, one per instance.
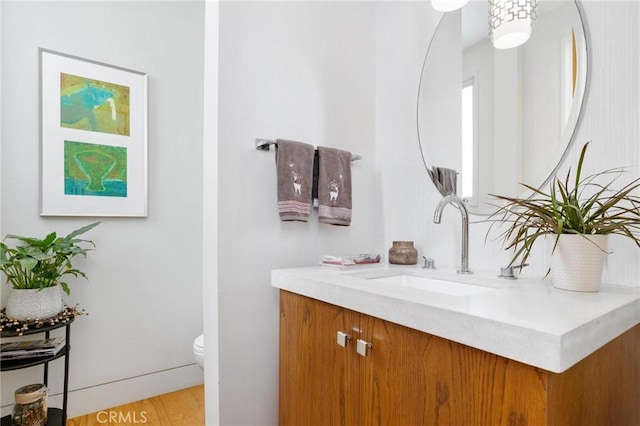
{"points": [[104, 396]]}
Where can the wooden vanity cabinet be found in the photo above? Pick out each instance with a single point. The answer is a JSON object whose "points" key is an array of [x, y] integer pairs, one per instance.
{"points": [[317, 376], [412, 378]]}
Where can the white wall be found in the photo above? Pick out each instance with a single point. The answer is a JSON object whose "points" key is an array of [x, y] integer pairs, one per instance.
{"points": [[610, 120], [210, 214], [299, 70], [403, 31], [612, 111], [144, 292]]}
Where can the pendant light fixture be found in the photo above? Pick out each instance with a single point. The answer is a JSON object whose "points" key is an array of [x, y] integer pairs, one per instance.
{"points": [[511, 22], [448, 5]]}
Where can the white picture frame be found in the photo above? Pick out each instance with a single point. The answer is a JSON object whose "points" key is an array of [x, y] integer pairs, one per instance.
{"points": [[93, 138]]}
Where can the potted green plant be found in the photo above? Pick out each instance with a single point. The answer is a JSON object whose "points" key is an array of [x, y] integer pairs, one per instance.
{"points": [[580, 214], [35, 269]]}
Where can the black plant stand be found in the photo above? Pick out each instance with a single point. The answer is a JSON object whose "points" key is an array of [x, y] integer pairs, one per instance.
{"points": [[55, 416]]}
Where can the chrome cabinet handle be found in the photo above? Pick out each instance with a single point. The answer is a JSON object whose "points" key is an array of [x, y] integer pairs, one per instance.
{"points": [[342, 338], [362, 347]]}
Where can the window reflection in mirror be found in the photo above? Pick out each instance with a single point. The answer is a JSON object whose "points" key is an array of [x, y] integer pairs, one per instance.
{"points": [[468, 142]]}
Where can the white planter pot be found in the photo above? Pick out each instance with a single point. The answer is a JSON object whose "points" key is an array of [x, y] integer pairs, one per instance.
{"points": [[577, 262], [34, 304]]}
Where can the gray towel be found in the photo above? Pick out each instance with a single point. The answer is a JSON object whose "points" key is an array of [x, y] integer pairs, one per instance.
{"points": [[445, 180], [334, 186], [294, 164]]}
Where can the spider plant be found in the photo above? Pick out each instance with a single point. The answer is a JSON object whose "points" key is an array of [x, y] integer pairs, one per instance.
{"points": [[586, 208]]}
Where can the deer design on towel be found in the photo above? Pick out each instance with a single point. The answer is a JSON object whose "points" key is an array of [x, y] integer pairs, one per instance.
{"points": [[297, 182], [334, 191]]}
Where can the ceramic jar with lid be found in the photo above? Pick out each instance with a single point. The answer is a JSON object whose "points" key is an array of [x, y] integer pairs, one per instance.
{"points": [[403, 253]]}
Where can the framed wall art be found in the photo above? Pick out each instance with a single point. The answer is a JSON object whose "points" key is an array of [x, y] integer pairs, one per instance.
{"points": [[93, 138]]}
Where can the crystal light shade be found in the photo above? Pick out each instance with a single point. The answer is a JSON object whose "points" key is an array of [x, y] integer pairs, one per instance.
{"points": [[511, 22], [448, 5]]}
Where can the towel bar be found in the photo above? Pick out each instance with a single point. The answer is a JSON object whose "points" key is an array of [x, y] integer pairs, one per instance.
{"points": [[265, 145]]}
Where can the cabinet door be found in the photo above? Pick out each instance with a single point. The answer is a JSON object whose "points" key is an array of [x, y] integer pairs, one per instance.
{"points": [[413, 378], [317, 376], [393, 375]]}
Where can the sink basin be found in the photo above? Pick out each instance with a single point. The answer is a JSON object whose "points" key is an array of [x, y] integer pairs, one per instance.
{"points": [[431, 284]]}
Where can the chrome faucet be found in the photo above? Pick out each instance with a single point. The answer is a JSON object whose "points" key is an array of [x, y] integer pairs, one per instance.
{"points": [[508, 272], [457, 201]]}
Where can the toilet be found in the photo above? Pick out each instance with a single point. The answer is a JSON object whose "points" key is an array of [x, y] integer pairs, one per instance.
{"points": [[198, 351]]}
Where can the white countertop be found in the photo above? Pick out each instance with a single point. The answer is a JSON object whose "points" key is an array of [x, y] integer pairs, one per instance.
{"points": [[527, 320]]}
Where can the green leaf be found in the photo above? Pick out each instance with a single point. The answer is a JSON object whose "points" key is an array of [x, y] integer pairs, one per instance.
{"points": [[579, 171], [28, 263], [38, 263], [65, 288], [82, 230], [590, 207]]}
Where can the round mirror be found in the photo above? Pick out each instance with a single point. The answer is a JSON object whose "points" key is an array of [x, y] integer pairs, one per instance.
{"points": [[489, 119]]}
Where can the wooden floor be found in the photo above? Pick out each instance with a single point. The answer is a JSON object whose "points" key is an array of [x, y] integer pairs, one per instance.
{"points": [[180, 408]]}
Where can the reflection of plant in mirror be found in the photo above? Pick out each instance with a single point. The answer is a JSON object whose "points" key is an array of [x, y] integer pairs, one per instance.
{"points": [[40, 263], [588, 207]]}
